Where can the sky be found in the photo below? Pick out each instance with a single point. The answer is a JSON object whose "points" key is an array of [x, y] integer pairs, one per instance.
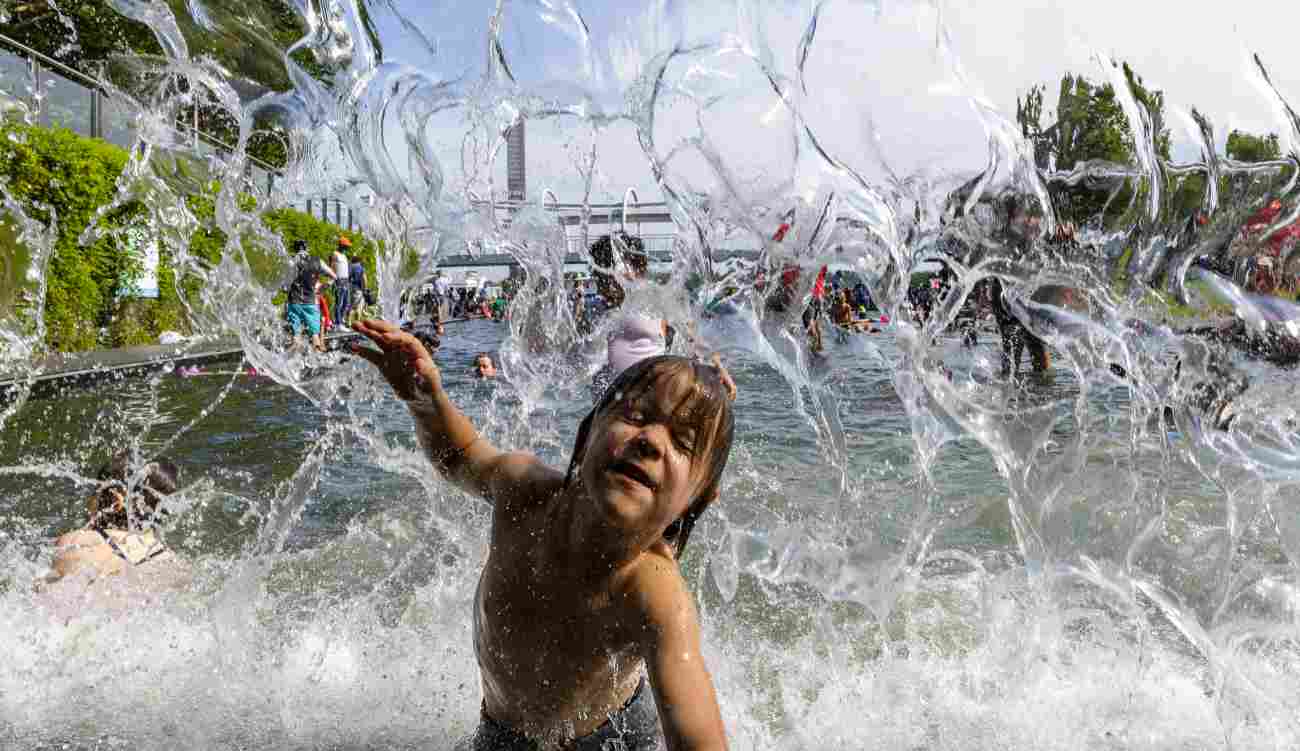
{"points": [[882, 94]]}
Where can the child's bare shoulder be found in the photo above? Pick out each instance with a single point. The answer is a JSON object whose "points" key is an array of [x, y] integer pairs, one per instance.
{"points": [[520, 480], [655, 591], [78, 537]]}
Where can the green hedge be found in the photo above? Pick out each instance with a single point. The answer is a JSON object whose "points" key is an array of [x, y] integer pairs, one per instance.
{"points": [[74, 176]]}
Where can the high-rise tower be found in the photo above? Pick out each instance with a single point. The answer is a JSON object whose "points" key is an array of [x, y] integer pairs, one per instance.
{"points": [[516, 176]]}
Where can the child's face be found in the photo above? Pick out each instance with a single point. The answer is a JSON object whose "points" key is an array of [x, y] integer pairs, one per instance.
{"points": [[640, 463]]}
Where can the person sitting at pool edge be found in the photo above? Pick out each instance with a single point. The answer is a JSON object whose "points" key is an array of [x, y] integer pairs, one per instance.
{"points": [[120, 534], [581, 591], [483, 367]]}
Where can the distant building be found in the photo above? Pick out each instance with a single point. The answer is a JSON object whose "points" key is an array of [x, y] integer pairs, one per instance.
{"points": [[516, 163]]}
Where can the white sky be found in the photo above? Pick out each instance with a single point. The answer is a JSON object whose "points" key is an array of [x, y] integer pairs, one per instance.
{"points": [[871, 63]]}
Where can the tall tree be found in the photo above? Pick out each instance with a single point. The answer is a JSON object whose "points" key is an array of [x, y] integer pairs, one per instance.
{"points": [[1090, 125]]}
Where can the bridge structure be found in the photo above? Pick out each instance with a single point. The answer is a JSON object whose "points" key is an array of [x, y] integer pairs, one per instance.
{"points": [[658, 237], [650, 221]]}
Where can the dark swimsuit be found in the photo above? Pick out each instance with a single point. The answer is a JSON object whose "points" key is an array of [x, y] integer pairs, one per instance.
{"points": [[635, 727]]}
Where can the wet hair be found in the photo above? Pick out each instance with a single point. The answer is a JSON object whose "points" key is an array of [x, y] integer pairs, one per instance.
{"points": [[697, 392], [602, 254], [161, 479], [299, 246], [480, 356]]}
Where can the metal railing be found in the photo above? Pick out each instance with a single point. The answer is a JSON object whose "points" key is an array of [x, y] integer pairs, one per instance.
{"points": [[61, 96]]}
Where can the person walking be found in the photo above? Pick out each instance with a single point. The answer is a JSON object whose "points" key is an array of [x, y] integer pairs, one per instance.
{"points": [[442, 291], [342, 284], [357, 279], [302, 311]]}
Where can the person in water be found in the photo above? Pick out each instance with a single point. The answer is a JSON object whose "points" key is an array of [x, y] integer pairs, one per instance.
{"points": [[483, 366], [632, 337], [121, 533], [581, 596], [1016, 338]]}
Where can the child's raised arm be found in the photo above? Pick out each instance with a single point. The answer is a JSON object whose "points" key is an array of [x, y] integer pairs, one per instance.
{"points": [[453, 445]]}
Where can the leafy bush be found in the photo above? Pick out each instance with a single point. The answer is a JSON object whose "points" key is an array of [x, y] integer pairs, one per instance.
{"points": [[74, 176]]}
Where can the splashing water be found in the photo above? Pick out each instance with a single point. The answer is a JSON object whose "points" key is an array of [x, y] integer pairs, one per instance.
{"points": [[915, 549]]}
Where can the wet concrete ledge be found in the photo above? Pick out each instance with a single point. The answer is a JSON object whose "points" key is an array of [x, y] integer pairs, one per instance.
{"points": [[60, 373]]}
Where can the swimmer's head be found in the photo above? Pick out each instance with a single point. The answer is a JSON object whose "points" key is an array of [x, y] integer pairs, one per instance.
{"points": [[117, 505], [483, 366], [654, 448]]}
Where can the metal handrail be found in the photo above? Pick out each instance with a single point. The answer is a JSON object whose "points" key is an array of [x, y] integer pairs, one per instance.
{"points": [[102, 88], [549, 200], [47, 60]]}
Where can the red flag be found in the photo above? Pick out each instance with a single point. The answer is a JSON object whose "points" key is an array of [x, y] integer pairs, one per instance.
{"points": [[819, 288], [780, 231]]}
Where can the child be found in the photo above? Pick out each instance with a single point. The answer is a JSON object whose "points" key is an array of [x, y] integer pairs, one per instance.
{"points": [[581, 589], [120, 534], [327, 323], [483, 366], [632, 337]]}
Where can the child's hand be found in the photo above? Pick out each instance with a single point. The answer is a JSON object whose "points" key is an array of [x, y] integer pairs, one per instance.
{"points": [[404, 362]]}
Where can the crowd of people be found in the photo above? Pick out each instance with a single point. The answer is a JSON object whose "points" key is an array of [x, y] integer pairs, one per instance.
{"points": [[439, 299], [307, 309], [326, 296]]}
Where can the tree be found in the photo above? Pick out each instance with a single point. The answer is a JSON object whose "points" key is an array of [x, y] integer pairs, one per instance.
{"points": [[1245, 147], [1090, 125]]}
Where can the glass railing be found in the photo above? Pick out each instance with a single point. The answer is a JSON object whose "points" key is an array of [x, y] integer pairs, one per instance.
{"points": [[41, 90]]}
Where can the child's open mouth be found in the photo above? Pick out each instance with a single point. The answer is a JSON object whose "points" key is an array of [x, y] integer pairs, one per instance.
{"points": [[633, 472]]}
